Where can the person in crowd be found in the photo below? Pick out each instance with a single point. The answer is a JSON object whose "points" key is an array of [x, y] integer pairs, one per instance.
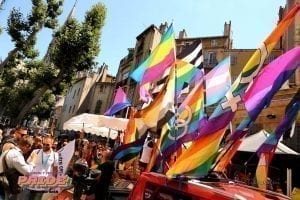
{"points": [[16, 136], [13, 158], [37, 142], [104, 179], [54, 146], [146, 152], [45, 163]]}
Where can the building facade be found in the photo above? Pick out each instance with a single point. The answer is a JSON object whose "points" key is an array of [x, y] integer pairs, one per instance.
{"points": [[91, 93]]}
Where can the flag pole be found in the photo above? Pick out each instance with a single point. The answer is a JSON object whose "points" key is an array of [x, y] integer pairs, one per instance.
{"points": [[175, 98]]}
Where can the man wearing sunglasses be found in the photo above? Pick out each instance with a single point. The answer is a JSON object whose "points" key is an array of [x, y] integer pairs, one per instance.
{"points": [[17, 136], [45, 163]]}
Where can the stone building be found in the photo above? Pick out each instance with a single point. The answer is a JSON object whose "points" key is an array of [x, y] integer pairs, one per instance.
{"points": [[91, 93]]}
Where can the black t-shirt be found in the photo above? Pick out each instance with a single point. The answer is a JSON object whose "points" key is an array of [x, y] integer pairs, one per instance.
{"points": [[107, 170]]}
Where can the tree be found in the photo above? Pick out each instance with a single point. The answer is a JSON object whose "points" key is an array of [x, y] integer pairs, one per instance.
{"points": [[73, 49]]}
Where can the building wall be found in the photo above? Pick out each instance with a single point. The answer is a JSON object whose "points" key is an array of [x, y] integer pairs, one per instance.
{"points": [[80, 96], [74, 98], [102, 97]]}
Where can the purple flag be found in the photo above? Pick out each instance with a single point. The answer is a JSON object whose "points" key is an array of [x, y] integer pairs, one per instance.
{"points": [[269, 81], [120, 102]]}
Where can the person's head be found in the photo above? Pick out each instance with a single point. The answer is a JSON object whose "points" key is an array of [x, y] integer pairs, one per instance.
{"points": [[19, 133], [54, 145], [25, 144], [37, 141], [105, 155], [47, 143]]}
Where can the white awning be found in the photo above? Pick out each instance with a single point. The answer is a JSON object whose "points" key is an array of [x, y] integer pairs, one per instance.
{"points": [[96, 124], [253, 142]]}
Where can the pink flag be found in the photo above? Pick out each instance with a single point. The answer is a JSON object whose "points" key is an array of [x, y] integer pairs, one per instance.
{"points": [[120, 102]]}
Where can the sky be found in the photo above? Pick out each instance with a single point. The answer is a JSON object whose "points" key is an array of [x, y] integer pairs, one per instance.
{"points": [[251, 22]]}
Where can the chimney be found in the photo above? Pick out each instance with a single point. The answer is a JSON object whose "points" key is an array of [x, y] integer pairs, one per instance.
{"points": [[227, 29], [163, 27], [182, 34]]}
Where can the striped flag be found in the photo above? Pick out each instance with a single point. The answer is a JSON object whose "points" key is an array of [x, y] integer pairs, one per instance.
{"points": [[120, 102], [196, 161], [268, 82], [193, 54], [162, 57], [266, 151], [130, 134], [190, 116], [128, 151], [259, 95], [189, 67], [160, 110], [224, 112], [285, 124], [217, 82]]}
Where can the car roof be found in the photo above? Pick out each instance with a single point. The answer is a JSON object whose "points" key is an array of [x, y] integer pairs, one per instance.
{"points": [[151, 183]]}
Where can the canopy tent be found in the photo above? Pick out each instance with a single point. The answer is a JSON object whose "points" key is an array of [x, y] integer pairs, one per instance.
{"points": [[253, 142], [96, 124]]}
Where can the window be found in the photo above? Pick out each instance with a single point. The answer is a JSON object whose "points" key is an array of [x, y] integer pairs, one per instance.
{"points": [[73, 109], [70, 109], [102, 88], [212, 58], [233, 59], [98, 107], [214, 43], [78, 91], [125, 75], [74, 94], [140, 46]]}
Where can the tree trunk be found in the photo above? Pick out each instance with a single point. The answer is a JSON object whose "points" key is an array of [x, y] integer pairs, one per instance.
{"points": [[10, 55], [36, 97]]}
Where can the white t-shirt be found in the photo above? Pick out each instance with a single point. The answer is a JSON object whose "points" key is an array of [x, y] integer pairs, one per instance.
{"points": [[44, 163], [147, 150]]}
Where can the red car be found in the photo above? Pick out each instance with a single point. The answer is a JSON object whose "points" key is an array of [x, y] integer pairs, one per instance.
{"points": [[156, 186]]}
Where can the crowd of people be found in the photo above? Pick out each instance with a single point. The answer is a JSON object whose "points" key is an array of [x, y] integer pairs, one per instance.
{"points": [[90, 169]]}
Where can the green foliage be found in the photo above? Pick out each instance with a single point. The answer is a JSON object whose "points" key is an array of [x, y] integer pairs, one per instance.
{"points": [[28, 85], [44, 108], [77, 44]]}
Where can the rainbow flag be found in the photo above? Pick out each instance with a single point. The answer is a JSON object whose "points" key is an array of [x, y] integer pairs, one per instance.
{"points": [[186, 73], [162, 57], [197, 160], [191, 114], [128, 151], [120, 102], [130, 134], [160, 110], [189, 68], [224, 112]]}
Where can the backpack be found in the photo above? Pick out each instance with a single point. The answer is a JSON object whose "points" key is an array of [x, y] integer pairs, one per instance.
{"points": [[9, 178]]}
